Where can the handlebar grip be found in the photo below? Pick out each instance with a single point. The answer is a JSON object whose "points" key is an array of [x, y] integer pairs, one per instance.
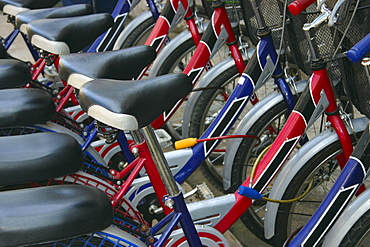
{"points": [[298, 6], [359, 50]]}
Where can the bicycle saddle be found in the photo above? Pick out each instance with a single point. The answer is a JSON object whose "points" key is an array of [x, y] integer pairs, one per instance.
{"points": [[45, 214], [25, 17], [3, 52], [13, 7], [37, 157], [125, 64], [13, 73], [22, 106], [130, 105], [67, 35]]}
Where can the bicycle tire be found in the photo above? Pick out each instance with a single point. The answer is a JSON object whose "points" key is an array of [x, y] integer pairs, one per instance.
{"points": [[139, 34], [358, 233], [321, 165]]}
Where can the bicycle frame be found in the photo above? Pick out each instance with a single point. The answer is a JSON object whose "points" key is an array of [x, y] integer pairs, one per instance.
{"points": [[318, 97], [231, 110], [220, 126], [208, 43]]}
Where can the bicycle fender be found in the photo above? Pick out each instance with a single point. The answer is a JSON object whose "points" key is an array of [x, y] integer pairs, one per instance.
{"points": [[211, 211], [127, 238], [294, 164], [140, 188], [208, 236], [131, 27], [246, 123], [170, 47], [348, 218]]}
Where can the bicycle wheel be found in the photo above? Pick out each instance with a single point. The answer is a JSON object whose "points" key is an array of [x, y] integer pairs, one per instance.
{"points": [[139, 34], [206, 108], [139, 29], [324, 170], [359, 234]]}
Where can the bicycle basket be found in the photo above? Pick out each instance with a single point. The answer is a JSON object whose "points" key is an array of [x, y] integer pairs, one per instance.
{"points": [[354, 76], [272, 12]]}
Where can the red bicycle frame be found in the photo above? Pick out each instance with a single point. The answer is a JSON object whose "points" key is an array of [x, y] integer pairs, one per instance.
{"points": [[319, 87], [220, 25]]}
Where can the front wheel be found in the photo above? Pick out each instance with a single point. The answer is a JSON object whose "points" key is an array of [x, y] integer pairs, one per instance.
{"points": [[359, 234], [321, 171]]}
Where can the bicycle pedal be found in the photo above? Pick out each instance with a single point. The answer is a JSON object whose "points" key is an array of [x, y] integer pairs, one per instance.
{"points": [[163, 137], [204, 192]]}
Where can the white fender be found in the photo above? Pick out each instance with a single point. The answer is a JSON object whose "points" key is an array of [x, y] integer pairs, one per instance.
{"points": [[294, 164], [130, 28], [349, 217], [247, 122], [122, 237], [208, 236]]}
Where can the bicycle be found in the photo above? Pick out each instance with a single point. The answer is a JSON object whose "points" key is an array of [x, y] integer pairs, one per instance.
{"points": [[278, 158], [72, 60], [199, 146], [120, 15], [39, 215], [328, 215]]}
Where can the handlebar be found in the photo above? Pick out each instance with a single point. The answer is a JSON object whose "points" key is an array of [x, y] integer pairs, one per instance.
{"points": [[298, 6], [359, 50]]}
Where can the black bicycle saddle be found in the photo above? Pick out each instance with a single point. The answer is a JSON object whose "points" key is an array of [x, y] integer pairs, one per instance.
{"points": [[130, 105], [59, 12], [45, 214], [3, 52], [30, 4], [23, 106], [67, 35], [37, 157], [13, 73], [14, 7], [125, 64]]}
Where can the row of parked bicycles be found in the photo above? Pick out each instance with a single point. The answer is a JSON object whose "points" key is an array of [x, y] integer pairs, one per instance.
{"points": [[269, 99]]}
